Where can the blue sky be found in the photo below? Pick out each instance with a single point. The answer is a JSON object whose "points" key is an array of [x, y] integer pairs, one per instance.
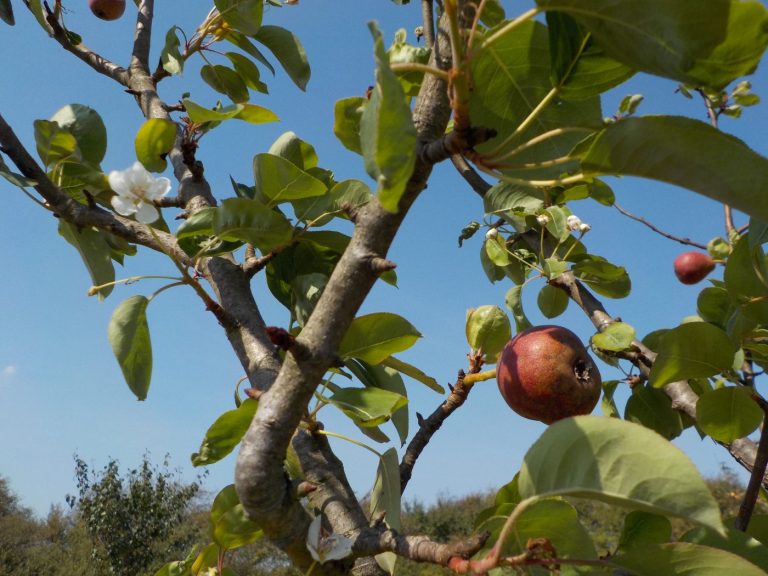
{"points": [[61, 391]]}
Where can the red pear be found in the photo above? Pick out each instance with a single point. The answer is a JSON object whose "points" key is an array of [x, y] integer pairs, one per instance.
{"points": [[693, 267], [107, 9]]}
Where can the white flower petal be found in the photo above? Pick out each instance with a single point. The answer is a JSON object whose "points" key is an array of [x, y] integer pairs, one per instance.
{"points": [[123, 206], [146, 213], [337, 547], [313, 538], [157, 189], [139, 176], [119, 183]]}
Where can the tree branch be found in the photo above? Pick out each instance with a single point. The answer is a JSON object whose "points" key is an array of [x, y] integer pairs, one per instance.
{"points": [[428, 18], [372, 541], [142, 38], [687, 241], [756, 479], [94, 60]]}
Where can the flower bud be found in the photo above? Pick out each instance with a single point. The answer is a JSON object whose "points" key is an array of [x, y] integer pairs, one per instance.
{"points": [[542, 219], [491, 234], [573, 222]]}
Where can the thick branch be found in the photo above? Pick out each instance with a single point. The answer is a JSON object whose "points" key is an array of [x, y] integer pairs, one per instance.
{"points": [[755, 481], [94, 60], [428, 17], [142, 38], [417, 548]]}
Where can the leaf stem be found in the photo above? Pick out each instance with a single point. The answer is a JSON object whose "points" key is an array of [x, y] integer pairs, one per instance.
{"points": [[130, 280], [348, 439], [507, 28], [472, 378], [401, 67]]}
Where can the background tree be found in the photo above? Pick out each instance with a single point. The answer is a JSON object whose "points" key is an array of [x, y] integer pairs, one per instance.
{"points": [[516, 99]]}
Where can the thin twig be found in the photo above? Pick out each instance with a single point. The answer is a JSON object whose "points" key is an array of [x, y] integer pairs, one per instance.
{"points": [[756, 480], [642, 220]]}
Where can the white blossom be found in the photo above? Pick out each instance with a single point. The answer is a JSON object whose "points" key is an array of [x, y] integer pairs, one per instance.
{"points": [[584, 227], [136, 190], [542, 219], [324, 546], [491, 234], [573, 222]]}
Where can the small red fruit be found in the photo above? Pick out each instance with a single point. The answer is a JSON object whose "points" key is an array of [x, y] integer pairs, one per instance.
{"points": [[545, 373], [107, 9], [693, 267]]}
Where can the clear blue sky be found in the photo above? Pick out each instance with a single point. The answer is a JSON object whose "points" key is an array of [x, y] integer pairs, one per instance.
{"points": [[61, 392]]}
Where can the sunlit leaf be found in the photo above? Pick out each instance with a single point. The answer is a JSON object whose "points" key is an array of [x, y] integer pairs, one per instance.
{"points": [[727, 414], [280, 180], [289, 52], [488, 330], [385, 496], [616, 337], [377, 336], [552, 301], [87, 127], [242, 15], [413, 372], [368, 406], [154, 140], [250, 221], [683, 559], [226, 81], [230, 526], [225, 433], [129, 337], [94, 250], [347, 113], [171, 57]]}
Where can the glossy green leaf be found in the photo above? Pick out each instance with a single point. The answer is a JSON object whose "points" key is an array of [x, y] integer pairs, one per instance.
{"points": [[693, 350], [377, 336], [603, 277], [555, 519], [511, 78], [652, 408], [225, 433], [368, 406], [230, 527], [504, 198], [552, 301], [242, 15], [616, 337], [607, 403], [295, 150], [727, 414], [413, 372], [736, 542], [170, 56], [250, 221], [387, 379], [401, 52], [683, 559], [496, 249], [714, 305], [514, 301], [54, 143], [129, 337], [620, 463], [493, 13], [280, 180], [248, 71], [385, 495], [154, 140], [225, 81], [289, 52], [676, 39], [684, 152], [580, 67], [87, 127], [643, 528], [6, 12], [387, 133], [352, 193], [248, 112], [242, 42], [347, 114], [488, 329], [94, 250], [745, 279]]}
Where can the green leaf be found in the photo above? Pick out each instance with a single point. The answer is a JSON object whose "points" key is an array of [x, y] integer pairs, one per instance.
{"points": [[643, 528], [93, 248], [288, 51], [580, 67], [250, 221], [368, 407], [607, 403], [413, 372], [745, 279], [556, 519], [87, 127], [511, 79], [683, 152], [693, 350], [403, 53], [514, 301], [620, 463], [504, 198], [247, 112], [552, 301], [387, 133], [727, 414], [675, 39], [683, 559], [6, 12], [226, 81], [280, 180], [496, 249], [347, 114], [388, 379], [14, 178], [385, 495], [295, 150], [248, 47], [603, 277], [493, 14], [242, 15], [736, 542], [488, 329], [377, 336], [129, 337], [652, 408], [154, 140], [54, 143], [230, 526], [171, 57], [714, 305], [247, 71], [616, 337], [225, 433]]}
